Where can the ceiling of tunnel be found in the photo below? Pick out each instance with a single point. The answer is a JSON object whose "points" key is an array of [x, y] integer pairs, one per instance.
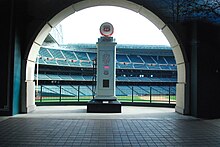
{"points": [[184, 10], [170, 11]]}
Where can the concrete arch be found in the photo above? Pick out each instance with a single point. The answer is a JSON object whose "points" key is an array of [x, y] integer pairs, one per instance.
{"points": [[181, 90]]}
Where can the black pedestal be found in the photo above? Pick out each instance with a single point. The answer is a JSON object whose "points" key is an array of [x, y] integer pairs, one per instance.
{"points": [[103, 106]]}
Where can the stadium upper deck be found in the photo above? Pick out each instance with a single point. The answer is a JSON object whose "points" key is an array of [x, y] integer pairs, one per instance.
{"points": [[134, 63], [128, 56]]}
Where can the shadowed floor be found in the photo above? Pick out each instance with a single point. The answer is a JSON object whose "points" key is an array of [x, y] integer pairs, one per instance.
{"points": [[135, 126]]}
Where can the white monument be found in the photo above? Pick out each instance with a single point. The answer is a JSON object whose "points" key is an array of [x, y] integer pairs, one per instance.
{"points": [[105, 99], [106, 64]]}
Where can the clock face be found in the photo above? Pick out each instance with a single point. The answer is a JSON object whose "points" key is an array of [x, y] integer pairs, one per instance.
{"points": [[106, 29]]}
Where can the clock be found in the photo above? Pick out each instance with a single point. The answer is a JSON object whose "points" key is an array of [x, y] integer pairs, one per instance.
{"points": [[106, 29]]}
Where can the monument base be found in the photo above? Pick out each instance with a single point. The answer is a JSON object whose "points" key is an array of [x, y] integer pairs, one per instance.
{"points": [[103, 106]]}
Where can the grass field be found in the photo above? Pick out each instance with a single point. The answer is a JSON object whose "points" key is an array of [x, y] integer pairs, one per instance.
{"points": [[142, 99]]}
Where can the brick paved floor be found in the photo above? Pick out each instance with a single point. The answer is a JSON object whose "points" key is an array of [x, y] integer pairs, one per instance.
{"points": [[29, 131]]}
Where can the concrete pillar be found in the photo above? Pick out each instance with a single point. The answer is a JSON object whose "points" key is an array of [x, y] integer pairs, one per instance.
{"points": [[30, 87]]}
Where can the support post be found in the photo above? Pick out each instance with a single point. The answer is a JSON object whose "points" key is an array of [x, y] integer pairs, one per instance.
{"points": [[150, 94], [169, 94], [41, 90], [78, 92], [60, 93], [132, 94]]}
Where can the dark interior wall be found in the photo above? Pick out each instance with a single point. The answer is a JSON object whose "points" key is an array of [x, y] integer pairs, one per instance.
{"points": [[16, 76], [192, 52], [208, 61], [5, 48], [20, 18], [10, 45], [202, 48]]}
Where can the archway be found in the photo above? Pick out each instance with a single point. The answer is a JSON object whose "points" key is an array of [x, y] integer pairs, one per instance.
{"points": [[181, 90]]}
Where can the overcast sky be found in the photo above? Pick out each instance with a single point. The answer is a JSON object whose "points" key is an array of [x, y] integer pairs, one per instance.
{"points": [[129, 27]]}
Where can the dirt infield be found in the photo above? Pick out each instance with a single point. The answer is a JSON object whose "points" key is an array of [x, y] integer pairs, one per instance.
{"points": [[155, 98]]}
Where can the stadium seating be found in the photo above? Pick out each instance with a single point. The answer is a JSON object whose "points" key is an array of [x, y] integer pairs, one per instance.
{"points": [[54, 77], [69, 55], [74, 90], [119, 92], [82, 58], [159, 60], [125, 65], [91, 78], [41, 61], [74, 63], [92, 56], [86, 64], [88, 78], [77, 78], [85, 59], [134, 79], [65, 77], [138, 90], [62, 62], [154, 67], [126, 90], [68, 90], [147, 59], [120, 78], [42, 77], [173, 67], [164, 67], [56, 53], [122, 58], [86, 90], [44, 52], [50, 61], [170, 60], [50, 90], [135, 59], [140, 66]]}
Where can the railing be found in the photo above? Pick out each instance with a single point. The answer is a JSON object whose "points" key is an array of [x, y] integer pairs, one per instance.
{"points": [[81, 93]]}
